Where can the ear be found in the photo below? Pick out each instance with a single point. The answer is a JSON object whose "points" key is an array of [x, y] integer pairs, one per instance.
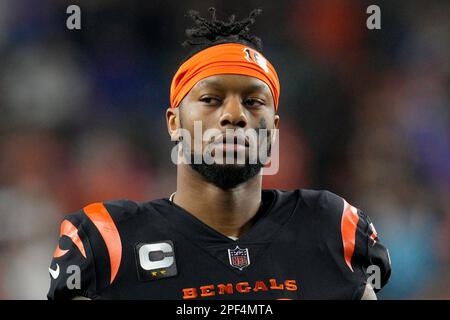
{"points": [[276, 124], [173, 123], [276, 121]]}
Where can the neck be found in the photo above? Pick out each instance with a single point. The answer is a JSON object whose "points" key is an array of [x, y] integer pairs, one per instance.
{"points": [[227, 211]]}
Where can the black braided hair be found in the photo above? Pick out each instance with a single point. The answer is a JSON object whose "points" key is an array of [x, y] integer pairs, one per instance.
{"points": [[207, 33]]}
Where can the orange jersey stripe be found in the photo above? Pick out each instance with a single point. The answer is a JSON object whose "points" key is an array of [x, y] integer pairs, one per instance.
{"points": [[59, 252], [101, 218], [69, 230], [349, 222]]}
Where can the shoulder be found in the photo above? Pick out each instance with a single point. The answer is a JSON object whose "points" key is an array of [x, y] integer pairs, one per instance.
{"points": [[96, 229], [322, 204], [116, 210], [91, 239], [333, 210], [348, 234], [321, 201], [339, 220], [107, 214]]}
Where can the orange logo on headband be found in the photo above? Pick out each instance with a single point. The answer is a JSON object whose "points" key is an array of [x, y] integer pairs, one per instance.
{"points": [[252, 55], [228, 58]]}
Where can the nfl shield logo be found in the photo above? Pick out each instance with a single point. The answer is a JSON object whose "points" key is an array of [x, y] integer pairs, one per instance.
{"points": [[239, 258]]}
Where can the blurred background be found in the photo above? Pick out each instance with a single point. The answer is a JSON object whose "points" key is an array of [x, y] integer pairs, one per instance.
{"points": [[364, 113]]}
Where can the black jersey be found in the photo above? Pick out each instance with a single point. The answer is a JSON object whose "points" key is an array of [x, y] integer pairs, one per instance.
{"points": [[304, 244]]}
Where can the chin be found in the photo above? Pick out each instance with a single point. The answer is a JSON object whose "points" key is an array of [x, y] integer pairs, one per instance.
{"points": [[227, 176]]}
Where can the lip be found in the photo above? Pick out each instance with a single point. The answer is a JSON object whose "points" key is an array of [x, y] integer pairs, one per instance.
{"points": [[237, 140], [230, 147]]}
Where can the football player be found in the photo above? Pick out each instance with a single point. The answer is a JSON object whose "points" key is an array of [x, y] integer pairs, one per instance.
{"points": [[220, 235]]}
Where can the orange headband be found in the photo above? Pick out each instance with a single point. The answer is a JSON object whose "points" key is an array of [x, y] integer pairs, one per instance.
{"points": [[228, 58]]}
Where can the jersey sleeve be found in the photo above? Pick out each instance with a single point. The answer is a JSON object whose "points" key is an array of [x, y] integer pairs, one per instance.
{"points": [[72, 269], [370, 253], [352, 241]]}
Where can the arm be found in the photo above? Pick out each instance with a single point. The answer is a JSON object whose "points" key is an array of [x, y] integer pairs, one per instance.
{"points": [[72, 272]]}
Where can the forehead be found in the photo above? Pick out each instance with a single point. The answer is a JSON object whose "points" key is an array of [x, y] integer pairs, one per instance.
{"points": [[233, 82]]}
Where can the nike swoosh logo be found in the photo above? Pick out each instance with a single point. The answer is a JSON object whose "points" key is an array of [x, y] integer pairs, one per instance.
{"points": [[54, 273]]}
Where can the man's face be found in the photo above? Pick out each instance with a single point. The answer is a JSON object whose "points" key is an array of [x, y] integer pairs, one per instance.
{"points": [[227, 106]]}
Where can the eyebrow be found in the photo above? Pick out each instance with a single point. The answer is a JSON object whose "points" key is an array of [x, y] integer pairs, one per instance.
{"points": [[257, 87], [218, 85], [211, 83]]}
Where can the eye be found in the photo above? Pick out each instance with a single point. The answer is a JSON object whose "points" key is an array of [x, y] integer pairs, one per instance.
{"points": [[253, 102], [210, 100]]}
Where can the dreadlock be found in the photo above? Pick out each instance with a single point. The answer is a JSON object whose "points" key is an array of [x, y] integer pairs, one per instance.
{"points": [[207, 33]]}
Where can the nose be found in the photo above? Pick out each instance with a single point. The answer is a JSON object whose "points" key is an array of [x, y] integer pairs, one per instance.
{"points": [[233, 114]]}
